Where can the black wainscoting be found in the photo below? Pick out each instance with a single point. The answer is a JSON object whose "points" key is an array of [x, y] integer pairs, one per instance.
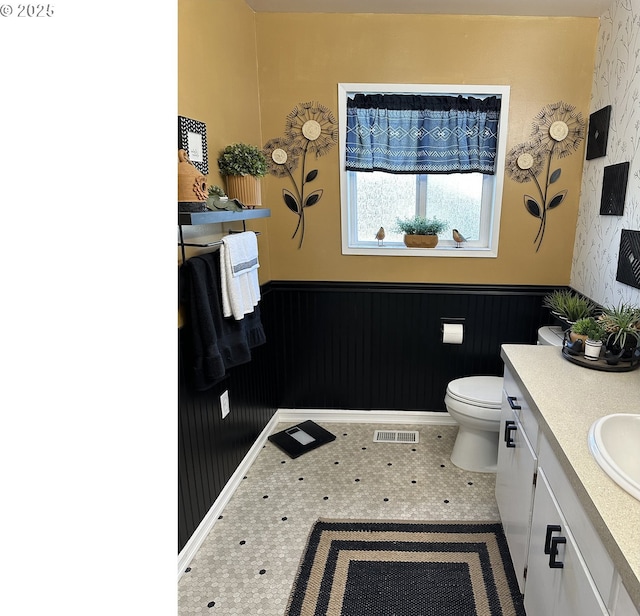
{"points": [[379, 346], [333, 345], [210, 448]]}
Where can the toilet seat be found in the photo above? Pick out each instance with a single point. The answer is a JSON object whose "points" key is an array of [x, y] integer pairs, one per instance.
{"points": [[479, 391]]}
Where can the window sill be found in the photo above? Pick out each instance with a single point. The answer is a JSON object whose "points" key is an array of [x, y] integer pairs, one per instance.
{"points": [[438, 251]]}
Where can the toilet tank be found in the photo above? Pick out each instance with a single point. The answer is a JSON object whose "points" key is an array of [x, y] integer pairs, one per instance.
{"points": [[550, 335]]}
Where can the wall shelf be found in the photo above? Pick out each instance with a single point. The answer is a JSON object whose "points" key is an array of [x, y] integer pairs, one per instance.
{"points": [[210, 218], [214, 218]]}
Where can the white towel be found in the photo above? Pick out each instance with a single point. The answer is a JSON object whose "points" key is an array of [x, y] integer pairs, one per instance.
{"points": [[241, 288], [242, 249]]}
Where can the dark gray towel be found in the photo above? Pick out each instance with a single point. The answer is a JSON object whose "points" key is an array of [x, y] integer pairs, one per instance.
{"points": [[216, 343]]}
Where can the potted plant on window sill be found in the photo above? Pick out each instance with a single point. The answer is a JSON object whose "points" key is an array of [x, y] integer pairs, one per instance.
{"points": [[243, 165], [420, 232]]}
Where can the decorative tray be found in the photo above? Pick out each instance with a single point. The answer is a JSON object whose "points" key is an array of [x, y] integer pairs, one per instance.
{"points": [[624, 365]]}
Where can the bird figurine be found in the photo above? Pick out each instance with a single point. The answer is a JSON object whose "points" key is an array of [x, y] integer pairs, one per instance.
{"points": [[458, 238], [574, 348], [380, 235]]}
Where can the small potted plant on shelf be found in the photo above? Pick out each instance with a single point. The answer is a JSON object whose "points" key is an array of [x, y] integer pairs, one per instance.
{"points": [[243, 165], [420, 232], [568, 306], [218, 200], [216, 191], [622, 329], [591, 332]]}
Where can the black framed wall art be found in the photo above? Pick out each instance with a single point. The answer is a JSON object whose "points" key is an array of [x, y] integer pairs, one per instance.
{"points": [[192, 137], [629, 258], [598, 133], [614, 189]]}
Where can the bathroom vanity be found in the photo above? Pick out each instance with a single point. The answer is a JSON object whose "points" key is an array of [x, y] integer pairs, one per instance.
{"points": [[573, 533]]}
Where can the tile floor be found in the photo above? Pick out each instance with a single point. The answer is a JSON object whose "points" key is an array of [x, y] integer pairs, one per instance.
{"points": [[248, 563]]}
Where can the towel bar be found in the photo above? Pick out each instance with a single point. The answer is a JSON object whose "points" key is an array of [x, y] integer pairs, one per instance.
{"points": [[182, 243]]}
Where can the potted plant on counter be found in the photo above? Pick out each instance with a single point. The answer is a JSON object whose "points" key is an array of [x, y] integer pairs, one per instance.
{"points": [[243, 165], [591, 332], [568, 306], [622, 329], [420, 232]]}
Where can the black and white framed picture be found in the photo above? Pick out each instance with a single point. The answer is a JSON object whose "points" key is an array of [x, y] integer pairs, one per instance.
{"points": [[598, 133], [629, 258], [614, 189], [192, 137]]}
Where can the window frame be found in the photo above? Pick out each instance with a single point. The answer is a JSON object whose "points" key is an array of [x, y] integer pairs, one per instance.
{"points": [[443, 249]]}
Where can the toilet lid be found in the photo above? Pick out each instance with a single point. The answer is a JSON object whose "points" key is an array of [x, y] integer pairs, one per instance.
{"points": [[551, 335], [483, 391]]}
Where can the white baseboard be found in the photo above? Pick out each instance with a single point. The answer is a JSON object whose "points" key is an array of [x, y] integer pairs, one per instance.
{"points": [[200, 534], [367, 417], [294, 415]]}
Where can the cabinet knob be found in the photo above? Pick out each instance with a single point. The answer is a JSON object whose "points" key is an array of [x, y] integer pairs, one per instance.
{"points": [[509, 427]]}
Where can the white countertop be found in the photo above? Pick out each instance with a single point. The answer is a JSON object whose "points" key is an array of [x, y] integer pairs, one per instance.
{"points": [[566, 399]]}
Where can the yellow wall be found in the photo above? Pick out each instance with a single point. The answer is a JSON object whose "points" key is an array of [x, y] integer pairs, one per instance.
{"points": [[241, 73], [218, 85], [302, 57]]}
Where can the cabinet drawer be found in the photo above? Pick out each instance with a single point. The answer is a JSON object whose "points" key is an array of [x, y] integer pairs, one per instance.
{"points": [[521, 408], [592, 549]]}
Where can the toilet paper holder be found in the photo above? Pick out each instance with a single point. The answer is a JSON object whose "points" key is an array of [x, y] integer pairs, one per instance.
{"points": [[450, 320], [458, 338]]}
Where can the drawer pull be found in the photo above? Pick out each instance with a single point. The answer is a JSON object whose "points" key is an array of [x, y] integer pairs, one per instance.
{"points": [[553, 563], [512, 400], [551, 546], [551, 528], [509, 427]]}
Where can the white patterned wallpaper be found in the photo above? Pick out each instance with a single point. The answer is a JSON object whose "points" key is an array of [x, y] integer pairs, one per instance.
{"points": [[616, 82]]}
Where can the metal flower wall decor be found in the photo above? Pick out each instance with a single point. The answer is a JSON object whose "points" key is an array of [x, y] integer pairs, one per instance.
{"points": [[310, 127], [556, 131]]}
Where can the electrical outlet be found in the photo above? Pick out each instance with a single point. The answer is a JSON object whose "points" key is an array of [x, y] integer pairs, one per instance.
{"points": [[224, 404]]}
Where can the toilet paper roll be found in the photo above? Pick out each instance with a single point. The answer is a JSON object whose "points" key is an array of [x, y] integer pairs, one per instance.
{"points": [[452, 333]]}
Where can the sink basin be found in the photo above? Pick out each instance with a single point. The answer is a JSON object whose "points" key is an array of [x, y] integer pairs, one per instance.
{"points": [[614, 441]]}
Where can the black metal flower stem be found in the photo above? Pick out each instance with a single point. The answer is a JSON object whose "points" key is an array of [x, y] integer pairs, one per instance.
{"points": [[543, 196], [300, 197]]}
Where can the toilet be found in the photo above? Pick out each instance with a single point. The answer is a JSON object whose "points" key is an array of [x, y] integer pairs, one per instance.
{"points": [[474, 402]]}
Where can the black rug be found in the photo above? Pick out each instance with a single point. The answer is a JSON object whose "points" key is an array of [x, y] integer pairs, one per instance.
{"points": [[353, 568]]}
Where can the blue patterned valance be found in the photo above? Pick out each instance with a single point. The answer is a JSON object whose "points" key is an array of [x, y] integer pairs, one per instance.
{"points": [[400, 133]]}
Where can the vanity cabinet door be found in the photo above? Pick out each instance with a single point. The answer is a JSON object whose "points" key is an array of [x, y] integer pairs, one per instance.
{"points": [[623, 604], [558, 582], [514, 486]]}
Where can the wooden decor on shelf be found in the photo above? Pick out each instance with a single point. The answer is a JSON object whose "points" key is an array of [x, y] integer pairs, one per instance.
{"points": [[192, 185]]}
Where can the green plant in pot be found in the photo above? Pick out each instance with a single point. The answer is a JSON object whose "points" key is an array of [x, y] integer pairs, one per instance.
{"points": [[216, 191], [243, 165], [591, 333], [588, 329], [568, 306], [622, 328], [420, 232]]}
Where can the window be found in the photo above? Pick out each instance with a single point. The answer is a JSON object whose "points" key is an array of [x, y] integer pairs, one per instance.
{"points": [[467, 200]]}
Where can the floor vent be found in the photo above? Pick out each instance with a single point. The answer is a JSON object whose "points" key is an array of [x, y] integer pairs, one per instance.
{"points": [[395, 436]]}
